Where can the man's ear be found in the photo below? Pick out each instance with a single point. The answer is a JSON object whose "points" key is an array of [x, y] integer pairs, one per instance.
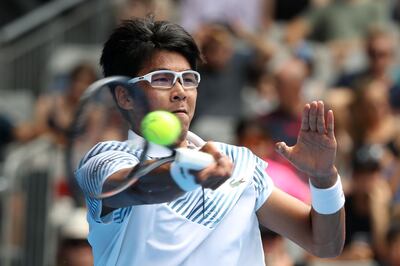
{"points": [[124, 99]]}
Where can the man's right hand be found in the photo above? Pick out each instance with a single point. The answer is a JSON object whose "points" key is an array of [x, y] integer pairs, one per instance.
{"points": [[218, 172]]}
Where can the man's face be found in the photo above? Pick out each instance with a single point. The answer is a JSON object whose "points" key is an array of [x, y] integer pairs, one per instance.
{"points": [[177, 100]]}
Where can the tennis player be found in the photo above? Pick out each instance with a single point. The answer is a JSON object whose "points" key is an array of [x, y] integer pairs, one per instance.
{"points": [[175, 216]]}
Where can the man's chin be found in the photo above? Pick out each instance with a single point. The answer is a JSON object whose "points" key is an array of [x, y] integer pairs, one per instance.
{"points": [[182, 139]]}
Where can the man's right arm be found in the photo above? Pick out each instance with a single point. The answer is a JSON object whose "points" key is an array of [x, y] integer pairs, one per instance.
{"points": [[159, 186]]}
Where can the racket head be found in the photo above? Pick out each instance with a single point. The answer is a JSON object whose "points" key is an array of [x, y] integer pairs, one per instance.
{"points": [[99, 118]]}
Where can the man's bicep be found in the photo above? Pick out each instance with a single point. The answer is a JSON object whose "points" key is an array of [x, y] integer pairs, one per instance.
{"points": [[94, 172], [286, 216]]}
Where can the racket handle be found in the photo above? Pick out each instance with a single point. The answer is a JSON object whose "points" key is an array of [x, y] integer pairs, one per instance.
{"points": [[192, 159]]}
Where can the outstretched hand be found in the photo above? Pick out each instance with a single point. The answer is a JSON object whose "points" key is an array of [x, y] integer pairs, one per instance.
{"points": [[315, 150]]}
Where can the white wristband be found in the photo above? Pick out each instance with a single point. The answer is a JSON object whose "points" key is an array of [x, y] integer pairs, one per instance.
{"points": [[183, 178], [328, 200]]}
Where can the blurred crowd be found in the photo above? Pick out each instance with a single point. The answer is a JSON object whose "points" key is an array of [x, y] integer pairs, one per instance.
{"points": [[263, 60]]}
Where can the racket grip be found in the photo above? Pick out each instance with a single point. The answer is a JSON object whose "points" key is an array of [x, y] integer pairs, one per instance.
{"points": [[192, 159]]}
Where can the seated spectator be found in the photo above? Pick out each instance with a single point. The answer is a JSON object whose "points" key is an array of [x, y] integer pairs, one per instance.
{"points": [[284, 123], [373, 122], [259, 96], [250, 134], [344, 20], [380, 51], [74, 249], [223, 77], [367, 207], [252, 13], [54, 111], [275, 249]]}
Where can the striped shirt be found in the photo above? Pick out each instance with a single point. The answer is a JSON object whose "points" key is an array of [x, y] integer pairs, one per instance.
{"points": [[222, 230]]}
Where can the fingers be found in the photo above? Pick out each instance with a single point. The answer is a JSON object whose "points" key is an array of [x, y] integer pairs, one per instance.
{"points": [[330, 123], [283, 149], [321, 118], [216, 174], [305, 123], [313, 118], [221, 168]]}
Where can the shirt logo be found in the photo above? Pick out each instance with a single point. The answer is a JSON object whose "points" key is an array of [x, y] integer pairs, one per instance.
{"points": [[236, 183]]}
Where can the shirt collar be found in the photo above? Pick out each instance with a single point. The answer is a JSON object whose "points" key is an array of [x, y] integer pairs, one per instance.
{"points": [[154, 149], [158, 151]]}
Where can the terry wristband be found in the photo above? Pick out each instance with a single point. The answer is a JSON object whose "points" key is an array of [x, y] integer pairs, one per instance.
{"points": [[327, 200], [182, 177]]}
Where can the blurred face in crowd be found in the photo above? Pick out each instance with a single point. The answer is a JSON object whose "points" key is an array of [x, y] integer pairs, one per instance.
{"points": [[217, 47], [255, 139], [80, 80], [381, 53], [374, 104], [289, 80]]}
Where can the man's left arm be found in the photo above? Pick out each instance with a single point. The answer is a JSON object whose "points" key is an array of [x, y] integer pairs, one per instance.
{"points": [[320, 228]]}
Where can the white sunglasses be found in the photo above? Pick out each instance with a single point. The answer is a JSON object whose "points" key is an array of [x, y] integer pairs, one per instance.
{"points": [[166, 79]]}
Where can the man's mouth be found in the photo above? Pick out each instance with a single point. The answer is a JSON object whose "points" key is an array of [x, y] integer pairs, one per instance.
{"points": [[180, 111]]}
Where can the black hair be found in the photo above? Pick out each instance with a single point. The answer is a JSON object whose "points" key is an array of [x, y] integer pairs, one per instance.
{"points": [[134, 41], [244, 124]]}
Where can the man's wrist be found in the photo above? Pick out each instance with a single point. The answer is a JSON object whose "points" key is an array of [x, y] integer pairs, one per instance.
{"points": [[327, 200], [325, 181]]}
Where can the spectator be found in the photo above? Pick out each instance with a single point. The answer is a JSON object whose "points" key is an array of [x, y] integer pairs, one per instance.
{"points": [[341, 25], [250, 134], [126, 9], [54, 111], [344, 20], [380, 50], [284, 123], [223, 79], [275, 249], [259, 96], [367, 206], [251, 14], [74, 249]]}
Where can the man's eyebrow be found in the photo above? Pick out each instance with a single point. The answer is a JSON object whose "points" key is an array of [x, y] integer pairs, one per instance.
{"points": [[159, 68]]}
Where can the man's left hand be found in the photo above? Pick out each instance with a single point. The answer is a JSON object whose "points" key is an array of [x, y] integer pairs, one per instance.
{"points": [[315, 150]]}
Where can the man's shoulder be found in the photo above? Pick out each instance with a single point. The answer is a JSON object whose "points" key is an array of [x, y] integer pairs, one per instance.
{"points": [[106, 146], [234, 151]]}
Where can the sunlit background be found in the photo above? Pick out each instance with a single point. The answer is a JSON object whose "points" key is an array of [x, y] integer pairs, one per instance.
{"points": [[263, 59]]}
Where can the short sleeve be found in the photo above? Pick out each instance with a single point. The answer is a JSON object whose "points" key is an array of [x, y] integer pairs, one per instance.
{"points": [[96, 169], [263, 183]]}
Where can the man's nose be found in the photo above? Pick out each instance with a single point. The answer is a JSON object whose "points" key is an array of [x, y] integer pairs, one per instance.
{"points": [[178, 93]]}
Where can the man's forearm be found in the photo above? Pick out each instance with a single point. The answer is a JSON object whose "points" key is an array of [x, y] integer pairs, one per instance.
{"points": [[328, 233]]}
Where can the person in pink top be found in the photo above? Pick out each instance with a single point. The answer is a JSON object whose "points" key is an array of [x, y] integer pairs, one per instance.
{"points": [[253, 136]]}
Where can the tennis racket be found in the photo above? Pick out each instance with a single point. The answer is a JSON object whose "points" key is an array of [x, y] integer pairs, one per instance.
{"points": [[98, 118]]}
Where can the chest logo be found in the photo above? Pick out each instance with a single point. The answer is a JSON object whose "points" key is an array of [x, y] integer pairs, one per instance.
{"points": [[236, 182]]}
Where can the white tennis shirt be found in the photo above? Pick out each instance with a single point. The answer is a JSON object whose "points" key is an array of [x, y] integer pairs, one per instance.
{"points": [[180, 232]]}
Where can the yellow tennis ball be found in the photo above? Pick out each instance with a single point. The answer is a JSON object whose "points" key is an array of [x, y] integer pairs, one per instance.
{"points": [[161, 127]]}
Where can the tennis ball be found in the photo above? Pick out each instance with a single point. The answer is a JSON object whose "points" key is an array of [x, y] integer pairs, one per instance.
{"points": [[161, 127]]}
